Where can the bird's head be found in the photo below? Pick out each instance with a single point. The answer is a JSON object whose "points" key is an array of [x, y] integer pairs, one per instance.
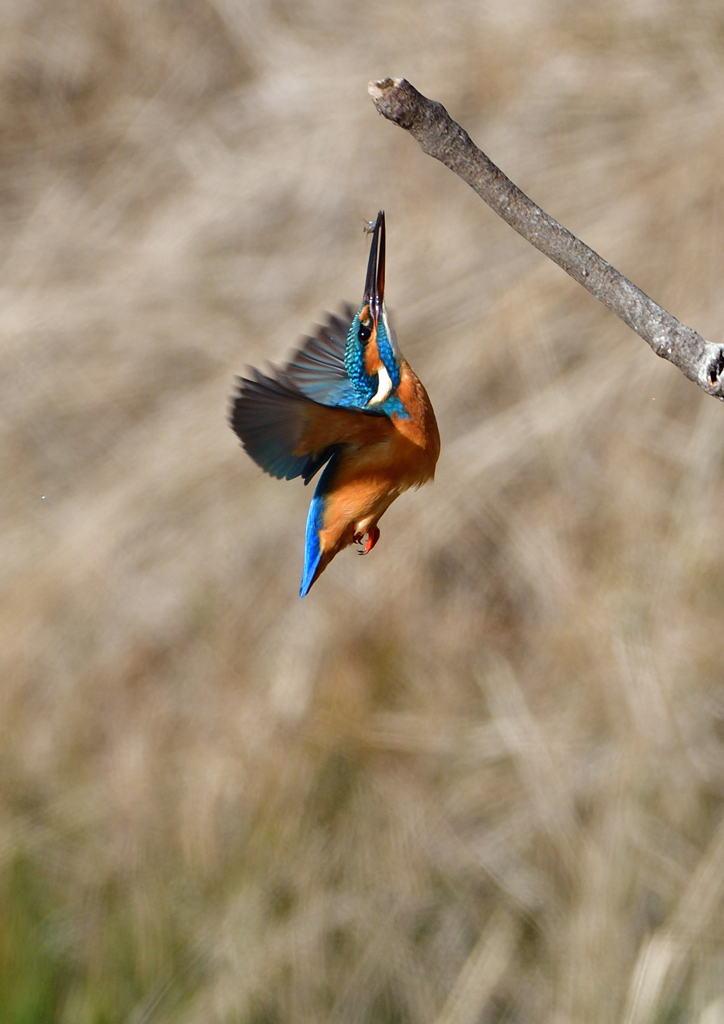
{"points": [[372, 358]]}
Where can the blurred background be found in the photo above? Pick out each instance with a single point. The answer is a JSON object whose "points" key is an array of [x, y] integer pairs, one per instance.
{"points": [[477, 776]]}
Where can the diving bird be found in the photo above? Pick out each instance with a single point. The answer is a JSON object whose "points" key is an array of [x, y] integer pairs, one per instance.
{"points": [[349, 401]]}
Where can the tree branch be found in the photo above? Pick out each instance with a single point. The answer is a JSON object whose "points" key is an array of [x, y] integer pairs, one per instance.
{"points": [[441, 137]]}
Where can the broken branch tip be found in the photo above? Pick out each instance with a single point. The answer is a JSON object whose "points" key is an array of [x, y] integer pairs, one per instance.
{"points": [[378, 89]]}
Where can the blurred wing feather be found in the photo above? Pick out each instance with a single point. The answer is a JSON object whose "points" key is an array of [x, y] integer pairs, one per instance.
{"points": [[288, 434], [269, 416], [318, 370]]}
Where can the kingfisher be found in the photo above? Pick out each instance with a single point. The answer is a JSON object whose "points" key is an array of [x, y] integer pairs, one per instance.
{"points": [[347, 401]]}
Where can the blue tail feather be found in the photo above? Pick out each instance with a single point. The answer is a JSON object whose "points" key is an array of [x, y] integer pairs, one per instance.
{"points": [[312, 549], [315, 522]]}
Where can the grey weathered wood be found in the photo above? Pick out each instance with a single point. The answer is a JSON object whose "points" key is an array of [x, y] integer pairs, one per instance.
{"points": [[441, 137]]}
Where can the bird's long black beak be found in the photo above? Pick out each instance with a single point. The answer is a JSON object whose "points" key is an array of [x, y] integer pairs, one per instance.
{"points": [[375, 282]]}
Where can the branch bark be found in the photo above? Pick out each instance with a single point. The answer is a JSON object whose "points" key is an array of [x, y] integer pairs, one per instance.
{"points": [[441, 137]]}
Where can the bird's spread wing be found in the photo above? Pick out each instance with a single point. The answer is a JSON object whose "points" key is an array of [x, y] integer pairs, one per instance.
{"points": [[269, 415], [288, 434], [317, 369]]}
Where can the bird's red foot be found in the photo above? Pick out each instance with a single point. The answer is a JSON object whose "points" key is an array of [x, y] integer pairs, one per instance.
{"points": [[373, 535]]}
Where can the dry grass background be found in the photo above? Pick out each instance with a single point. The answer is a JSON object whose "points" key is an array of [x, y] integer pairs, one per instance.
{"points": [[477, 776]]}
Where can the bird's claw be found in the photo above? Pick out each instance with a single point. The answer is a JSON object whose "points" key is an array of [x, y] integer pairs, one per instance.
{"points": [[373, 535]]}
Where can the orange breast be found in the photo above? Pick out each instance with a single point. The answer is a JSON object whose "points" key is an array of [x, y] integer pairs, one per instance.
{"points": [[420, 428], [369, 478]]}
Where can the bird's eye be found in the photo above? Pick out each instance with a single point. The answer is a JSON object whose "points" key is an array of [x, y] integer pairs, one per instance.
{"points": [[364, 333]]}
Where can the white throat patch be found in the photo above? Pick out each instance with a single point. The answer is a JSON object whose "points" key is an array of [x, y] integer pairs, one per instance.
{"points": [[384, 386]]}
